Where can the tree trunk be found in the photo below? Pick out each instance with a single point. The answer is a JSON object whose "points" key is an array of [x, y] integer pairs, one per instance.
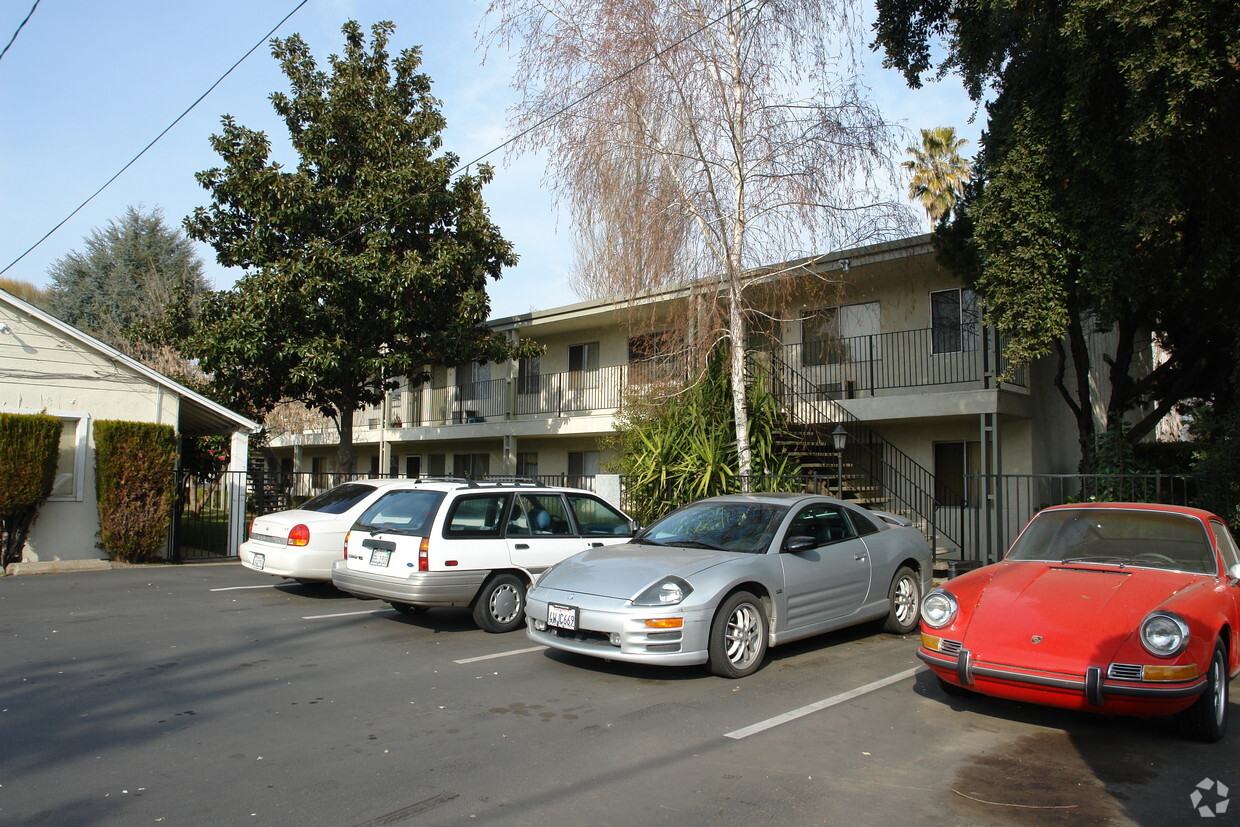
{"points": [[344, 451]]}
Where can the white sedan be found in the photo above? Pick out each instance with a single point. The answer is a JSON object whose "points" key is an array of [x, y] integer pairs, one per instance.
{"points": [[302, 543]]}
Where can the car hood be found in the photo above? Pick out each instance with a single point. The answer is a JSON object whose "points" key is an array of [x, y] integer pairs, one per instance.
{"points": [[623, 571], [1064, 617]]}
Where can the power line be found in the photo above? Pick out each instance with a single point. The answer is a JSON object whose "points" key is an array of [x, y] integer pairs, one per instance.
{"points": [[20, 26], [154, 140]]}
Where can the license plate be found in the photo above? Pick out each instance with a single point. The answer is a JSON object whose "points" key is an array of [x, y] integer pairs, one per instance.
{"points": [[562, 617], [259, 560], [380, 557]]}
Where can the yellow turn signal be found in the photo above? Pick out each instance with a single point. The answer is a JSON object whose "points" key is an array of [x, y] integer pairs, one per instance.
{"points": [[1169, 673], [931, 642], [665, 622]]}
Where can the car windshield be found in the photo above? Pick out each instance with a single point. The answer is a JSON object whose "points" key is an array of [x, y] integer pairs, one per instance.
{"points": [[339, 499], [1123, 536], [725, 526], [401, 512]]}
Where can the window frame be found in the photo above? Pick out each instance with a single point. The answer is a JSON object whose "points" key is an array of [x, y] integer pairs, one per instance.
{"points": [[80, 438]]}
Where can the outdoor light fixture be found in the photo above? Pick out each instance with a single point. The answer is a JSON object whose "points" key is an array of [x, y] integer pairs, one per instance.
{"points": [[839, 437]]}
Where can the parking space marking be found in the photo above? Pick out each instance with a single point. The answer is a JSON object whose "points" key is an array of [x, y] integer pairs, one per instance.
{"points": [[345, 614], [501, 654], [770, 723], [238, 588]]}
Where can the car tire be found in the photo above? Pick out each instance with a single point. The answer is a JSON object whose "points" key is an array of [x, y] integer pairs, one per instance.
{"points": [[904, 598], [407, 608], [1206, 720], [500, 606], [737, 637], [950, 689]]}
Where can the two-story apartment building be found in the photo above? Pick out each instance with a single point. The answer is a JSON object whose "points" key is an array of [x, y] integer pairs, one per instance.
{"points": [[895, 359]]}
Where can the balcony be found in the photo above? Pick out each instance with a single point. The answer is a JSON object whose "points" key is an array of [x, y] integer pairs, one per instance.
{"points": [[880, 364]]}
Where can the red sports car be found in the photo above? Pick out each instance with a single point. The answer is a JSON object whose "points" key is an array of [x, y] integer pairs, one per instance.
{"points": [[1118, 608]]}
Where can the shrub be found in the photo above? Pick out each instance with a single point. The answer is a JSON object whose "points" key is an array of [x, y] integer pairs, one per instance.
{"points": [[134, 463], [28, 449]]}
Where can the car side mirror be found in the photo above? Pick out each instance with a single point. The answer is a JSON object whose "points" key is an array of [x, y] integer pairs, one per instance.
{"points": [[799, 542], [1234, 574]]}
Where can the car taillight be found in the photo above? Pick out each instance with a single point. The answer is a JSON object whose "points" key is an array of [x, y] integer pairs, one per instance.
{"points": [[250, 533], [424, 555], [299, 536], [346, 544]]}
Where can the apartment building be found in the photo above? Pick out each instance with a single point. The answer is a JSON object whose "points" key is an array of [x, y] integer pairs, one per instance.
{"points": [[889, 354]]}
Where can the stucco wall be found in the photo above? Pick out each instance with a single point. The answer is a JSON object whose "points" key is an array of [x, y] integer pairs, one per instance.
{"points": [[43, 370]]}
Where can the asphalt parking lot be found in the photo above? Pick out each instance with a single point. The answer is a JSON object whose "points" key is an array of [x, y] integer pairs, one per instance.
{"points": [[213, 695]]}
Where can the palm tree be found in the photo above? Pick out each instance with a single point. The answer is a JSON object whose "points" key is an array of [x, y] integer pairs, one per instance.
{"points": [[938, 172]]}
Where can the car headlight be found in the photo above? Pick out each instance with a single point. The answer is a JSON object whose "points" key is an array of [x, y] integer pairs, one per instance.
{"points": [[1164, 634], [666, 592], [939, 609]]}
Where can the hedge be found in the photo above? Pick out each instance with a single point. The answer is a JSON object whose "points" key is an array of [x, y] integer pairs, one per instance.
{"points": [[29, 446], [134, 464]]}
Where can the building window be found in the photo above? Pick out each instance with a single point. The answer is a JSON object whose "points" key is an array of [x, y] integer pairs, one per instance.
{"points": [[527, 464], [318, 472], [471, 466], [474, 380], [652, 357], [413, 466], [436, 465], [68, 484], [582, 464], [529, 375], [955, 324], [583, 365], [953, 462], [820, 338]]}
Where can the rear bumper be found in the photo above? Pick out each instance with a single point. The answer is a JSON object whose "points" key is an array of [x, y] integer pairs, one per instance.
{"points": [[424, 588], [1091, 690]]}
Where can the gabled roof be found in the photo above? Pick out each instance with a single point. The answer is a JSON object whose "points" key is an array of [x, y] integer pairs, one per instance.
{"points": [[199, 415]]}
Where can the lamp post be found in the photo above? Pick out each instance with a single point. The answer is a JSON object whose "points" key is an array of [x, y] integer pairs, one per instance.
{"points": [[839, 437]]}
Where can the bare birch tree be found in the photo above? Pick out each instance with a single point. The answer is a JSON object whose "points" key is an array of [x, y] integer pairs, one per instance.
{"points": [[693, 141]]}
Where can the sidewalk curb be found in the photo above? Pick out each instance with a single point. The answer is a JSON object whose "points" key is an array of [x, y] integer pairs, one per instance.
{"points": [[68, 566]]}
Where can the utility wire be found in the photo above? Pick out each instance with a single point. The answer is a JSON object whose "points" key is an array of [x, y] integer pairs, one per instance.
{"points": [[166, 130], [20, 26]]}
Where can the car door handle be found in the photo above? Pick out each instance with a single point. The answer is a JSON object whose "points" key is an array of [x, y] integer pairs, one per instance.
{"points": [[859, 556], [596, 545], [522, 546]]}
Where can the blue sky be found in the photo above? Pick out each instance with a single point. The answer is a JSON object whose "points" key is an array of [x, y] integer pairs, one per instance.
{"points": [[86, 85]]}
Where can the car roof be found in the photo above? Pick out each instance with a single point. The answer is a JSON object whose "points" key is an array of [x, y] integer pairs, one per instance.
{"points": [[457, 483], [776, 498]]}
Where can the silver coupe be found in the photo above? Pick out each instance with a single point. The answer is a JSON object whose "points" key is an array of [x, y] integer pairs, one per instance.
{"points": [[720, 580]]}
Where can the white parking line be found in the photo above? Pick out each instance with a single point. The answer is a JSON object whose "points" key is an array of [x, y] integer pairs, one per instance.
{"points": [[501, 654], [345, 614], [770, 723], [237, 588]]}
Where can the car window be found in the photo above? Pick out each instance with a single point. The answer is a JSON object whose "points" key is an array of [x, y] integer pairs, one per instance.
{"points": [[825, 522], [339, 499], [1158, 539], [727, 526], [596, 517], [479, 515], [406, 511], [1226, 544], [540, 514], [862, 523]]}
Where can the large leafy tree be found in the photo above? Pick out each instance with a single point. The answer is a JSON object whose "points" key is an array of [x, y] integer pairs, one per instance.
{"points": [[698, 142], [1104, 196], [133, 285], [937, 171], [367, 262]]}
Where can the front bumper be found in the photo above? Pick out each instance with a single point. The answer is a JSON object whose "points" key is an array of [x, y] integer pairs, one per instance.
{"points": [[1091, 690], [423, 588], [599, 617]]}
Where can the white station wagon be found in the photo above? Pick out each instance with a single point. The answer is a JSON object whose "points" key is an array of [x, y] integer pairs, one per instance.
{"points": [[464, 543]]}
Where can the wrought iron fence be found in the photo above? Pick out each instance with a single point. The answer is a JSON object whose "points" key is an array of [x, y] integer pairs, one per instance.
{"points": [[1007, 502]]}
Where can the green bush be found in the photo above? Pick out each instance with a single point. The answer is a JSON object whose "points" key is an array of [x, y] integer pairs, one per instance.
{"points": [[29, 444], [134, 463]]}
